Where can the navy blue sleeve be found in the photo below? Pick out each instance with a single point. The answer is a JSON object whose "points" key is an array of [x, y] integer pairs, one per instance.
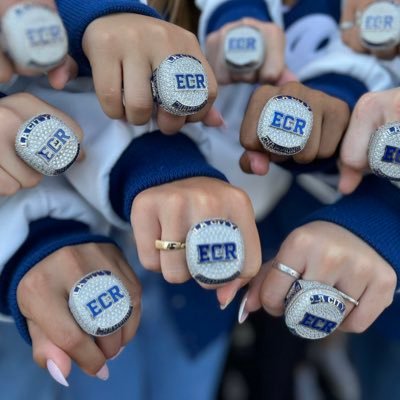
{"points": [[372, 213], [343, 87], [234, 10], [151, 160], [78, 14], [45, 237]]}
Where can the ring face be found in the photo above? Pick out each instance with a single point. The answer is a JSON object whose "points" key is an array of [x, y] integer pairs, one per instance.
{"points": [[380, 25], [215, 251], [100, 303], [180, 85], [244, 49], [285, 125], [46, 144], [313, 310], [34, 36], [384, 151]]}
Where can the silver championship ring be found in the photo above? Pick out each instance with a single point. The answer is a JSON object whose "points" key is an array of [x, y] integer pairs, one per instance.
{"points": [[180, 85], [244, 49], [47, 145], [214, 251], [313, 310], [100, 303], [285, 125], [380, 25], [34, 36], [384, 151]]}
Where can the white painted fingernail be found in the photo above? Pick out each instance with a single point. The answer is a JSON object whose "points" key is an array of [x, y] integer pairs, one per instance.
{"points": [[242, 315], [117, 355], [104, 373], [229, 301], [56, 373]]}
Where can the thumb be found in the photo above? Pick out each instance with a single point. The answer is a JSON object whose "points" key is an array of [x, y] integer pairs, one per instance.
{"points": [[61, 75], [48, 355]]}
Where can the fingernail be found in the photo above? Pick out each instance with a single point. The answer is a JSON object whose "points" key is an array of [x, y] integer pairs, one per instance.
{"points": [[242, 315], [229, 301], [56, 373], [117, 355], [104, 373]]}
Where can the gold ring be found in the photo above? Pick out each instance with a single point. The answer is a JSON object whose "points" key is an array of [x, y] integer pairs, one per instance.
{"points": [[169, 245]]}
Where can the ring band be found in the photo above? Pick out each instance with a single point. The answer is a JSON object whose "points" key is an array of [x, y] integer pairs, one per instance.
{"points": [[346, 25], [169, 245], [286, 270], [348, 298]]}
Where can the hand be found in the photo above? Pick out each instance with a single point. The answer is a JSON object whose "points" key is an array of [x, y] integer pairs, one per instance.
{"points": [[331, 117], [124, 50], [58, 77], [16, 109], [371, 111], [327, 253], [168, 211], [272, 70], [351, 37], [42, 297]]}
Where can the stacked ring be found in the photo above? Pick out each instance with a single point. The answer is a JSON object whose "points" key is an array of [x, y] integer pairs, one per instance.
{"points": [[100, 303], [34, 36], [47, 144], [180, 85]]}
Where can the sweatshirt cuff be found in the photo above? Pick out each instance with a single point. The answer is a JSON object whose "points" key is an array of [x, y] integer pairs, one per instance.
{"points": [[343, 87], [234, 10], [77, 15], [372, 213], [46, 236], [151, 160]]}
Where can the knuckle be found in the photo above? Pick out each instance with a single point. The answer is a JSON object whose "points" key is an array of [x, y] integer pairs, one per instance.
{"points": [[300, 239], [34, 282], [150, 263], [175, 276], [70, 256], [9, 187], [139, 112], [272, 303], [272, 75], [70, 339], [332, 257], [32, 180], [178, 200], [366, 103]]}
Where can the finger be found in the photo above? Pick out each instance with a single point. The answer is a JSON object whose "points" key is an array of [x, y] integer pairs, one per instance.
{"points": [[169, 123], [146, 229], [6, 68], [137, 90], [64, 73], [248, 131], [213, 118], [246, 77], [349, 179], [110, 345], [107, 78], [384, 54], [274, 63], [287, 76], [227, 293], [44, 351], [255, 162], [8, 184]]}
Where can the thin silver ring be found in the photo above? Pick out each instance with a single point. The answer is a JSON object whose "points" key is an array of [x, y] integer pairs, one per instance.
{"points": [[346, 25], [348, 298], [286, 270]]}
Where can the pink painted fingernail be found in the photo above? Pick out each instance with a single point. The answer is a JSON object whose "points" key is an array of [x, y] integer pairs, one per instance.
{"points": [[56, 373], [117, 355], [242, 315], [104, 373]]}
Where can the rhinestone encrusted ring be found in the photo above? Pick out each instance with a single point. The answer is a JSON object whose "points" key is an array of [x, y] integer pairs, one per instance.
{"points": [[285, 125], [214, 251], [34, 36], [384, 151], [313, 310], [380, 25], [100, 303], [47, 144], [244, 49], [180, 85]]}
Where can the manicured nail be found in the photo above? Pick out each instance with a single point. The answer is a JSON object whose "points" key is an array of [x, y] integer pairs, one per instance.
{"points": [[242, 315], [104, 373], [229, 301], [56, 373], [117, 355]]}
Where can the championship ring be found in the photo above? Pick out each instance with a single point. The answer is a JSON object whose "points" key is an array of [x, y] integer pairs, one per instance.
{"points": [[285, 125], [34, 36], [214, 251], [180, 85], [244, 49], [100, 303], [47, 145], [313, 310], [384, 151], [380, 25]]}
